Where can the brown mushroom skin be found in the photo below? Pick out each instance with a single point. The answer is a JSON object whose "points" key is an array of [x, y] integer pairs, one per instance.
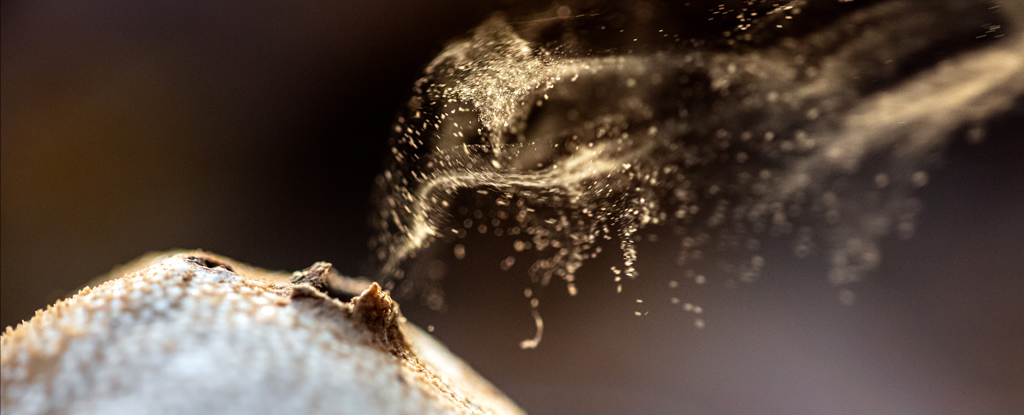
{"points": [[193, 333]]}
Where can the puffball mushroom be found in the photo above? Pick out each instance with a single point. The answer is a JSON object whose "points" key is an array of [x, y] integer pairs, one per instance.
{"points": [[195, 333]]}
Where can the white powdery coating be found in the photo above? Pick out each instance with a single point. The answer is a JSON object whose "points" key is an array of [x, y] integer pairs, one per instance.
{"points": [[178, 337]]}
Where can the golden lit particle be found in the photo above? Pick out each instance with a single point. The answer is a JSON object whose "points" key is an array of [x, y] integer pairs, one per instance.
{"points": [[919, 179], [881, 180], [508, 263]]}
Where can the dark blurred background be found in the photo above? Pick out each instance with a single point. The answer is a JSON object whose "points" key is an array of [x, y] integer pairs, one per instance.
{"points": [[254, 130]]}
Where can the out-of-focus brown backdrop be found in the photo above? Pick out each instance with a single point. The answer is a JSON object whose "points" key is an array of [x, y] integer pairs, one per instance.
{"points": [[255, 129]]}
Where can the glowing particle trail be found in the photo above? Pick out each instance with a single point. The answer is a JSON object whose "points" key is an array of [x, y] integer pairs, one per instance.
{"points": [[532, 343], [804, 132]]}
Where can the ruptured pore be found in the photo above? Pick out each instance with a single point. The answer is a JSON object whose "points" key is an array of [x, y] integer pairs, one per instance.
{"points": [[192, 332]]}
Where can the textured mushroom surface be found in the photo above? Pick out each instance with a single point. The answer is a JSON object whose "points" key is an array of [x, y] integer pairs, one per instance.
{"points": [[197, 333]]}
